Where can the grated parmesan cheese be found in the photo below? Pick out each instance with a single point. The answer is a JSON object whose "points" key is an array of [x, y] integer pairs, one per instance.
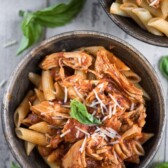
{"points": [[51, 103], [83, 145], [94, 112], [11, 43], [108, 132], [2, 83], [79, 60], [50, 111], [153, 3], [67, 106], [113, 143], [66, 94], [115, 154], [101, 87], [65, 133], [77, 134], [112, 131], [115, 101], [110, 111], [132, 106], [114, 109], [104, 118], [58, 118], [76, 90], [86, 133], [93, 104], [83, 60], [102, 105]]}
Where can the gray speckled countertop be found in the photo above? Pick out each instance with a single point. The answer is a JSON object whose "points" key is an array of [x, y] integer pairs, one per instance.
{"points": [[92, 17]]}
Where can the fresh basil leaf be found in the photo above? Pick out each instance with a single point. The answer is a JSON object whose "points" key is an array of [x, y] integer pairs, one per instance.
{"points": [[163, 65], [59, 15], [162, 165], [14, 165], [23, 45], [80, 113], [31, 33], [56, 15]]}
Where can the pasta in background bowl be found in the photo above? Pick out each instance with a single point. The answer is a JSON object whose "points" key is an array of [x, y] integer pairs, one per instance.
{"points": [[69, 42], [139, 19]]}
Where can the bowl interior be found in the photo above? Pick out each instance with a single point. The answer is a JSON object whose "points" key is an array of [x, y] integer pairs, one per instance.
{"points": [[19, 85], [130, 27]]}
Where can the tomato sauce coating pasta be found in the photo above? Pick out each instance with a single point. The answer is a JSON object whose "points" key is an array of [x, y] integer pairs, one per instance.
{"points": [[105, 131]]}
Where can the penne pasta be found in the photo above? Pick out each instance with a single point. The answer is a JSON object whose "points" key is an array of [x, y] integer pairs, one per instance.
{"points": [[128, 7], [55, 155], [35, 79], [81, 73], [115, 9], [72, 93], [132, 76], [144, 15], [134, 131], [153, 11], [159, 24], [42, 127], [48, 85], [31, 136], [59, 93], [23, 109], [36, 101], [29, 147], [145, 94], [145, 137], [137, 148], [52, 164], [164, 8], [133, 159], [144, 12], [39, 95]]}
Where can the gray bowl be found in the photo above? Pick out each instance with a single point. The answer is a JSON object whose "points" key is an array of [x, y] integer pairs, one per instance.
{"points": [[19, 84], [130, 27]]}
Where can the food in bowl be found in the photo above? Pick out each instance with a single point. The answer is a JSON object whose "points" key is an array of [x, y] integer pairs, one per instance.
{"points": [[150, 15], [87, 110]]}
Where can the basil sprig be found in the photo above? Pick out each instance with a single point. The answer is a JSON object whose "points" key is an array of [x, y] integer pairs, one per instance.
{"points": [[14, 165], [163, 65], [54, 16], [80, 113], [162, 165]]}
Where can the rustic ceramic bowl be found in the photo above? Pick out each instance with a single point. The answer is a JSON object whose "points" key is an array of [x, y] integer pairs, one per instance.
{"points": [[130, 27], [19, 84]]}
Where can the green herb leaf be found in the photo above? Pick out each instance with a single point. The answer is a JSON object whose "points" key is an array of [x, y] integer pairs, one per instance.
{"points": [[56, 15], [59, 15], [162, 165], [80, 113], [31, 33], [14, 165], [163, 65]]}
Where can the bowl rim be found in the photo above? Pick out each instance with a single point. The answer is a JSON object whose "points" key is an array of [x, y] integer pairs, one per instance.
{"points": [[43, 44], [131, 33]]}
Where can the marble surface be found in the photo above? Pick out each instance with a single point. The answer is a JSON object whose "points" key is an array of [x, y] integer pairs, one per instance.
{"points": [[92, 17]]}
